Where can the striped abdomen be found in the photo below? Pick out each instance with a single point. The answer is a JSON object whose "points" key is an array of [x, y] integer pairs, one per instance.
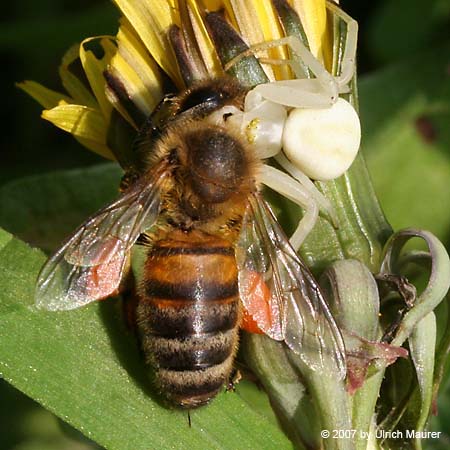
{"points": [[188, 315]]}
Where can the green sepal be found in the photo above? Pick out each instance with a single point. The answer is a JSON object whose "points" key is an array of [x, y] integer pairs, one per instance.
{"points": [[292, 26], [120, 138], [229, 44]]}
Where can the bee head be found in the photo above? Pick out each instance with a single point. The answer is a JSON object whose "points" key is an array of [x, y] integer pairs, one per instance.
{"points": [[207, 96]]}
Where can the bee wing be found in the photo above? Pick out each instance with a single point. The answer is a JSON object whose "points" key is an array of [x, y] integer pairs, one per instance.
{"points": [[90, 264], [295, 311]]}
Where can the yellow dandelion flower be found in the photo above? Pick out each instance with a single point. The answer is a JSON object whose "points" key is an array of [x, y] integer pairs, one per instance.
{"points": [[165, 43]]}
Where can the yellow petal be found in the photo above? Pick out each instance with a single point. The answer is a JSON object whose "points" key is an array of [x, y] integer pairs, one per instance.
{"points": [[151, 21], [94, 68], [248, 23], [96, 147], [225, 5], [73, 85], [137, 70], [86, 124], [258, 23], [213, 5], [204, 42], [117, 104], [44, 96], [313, 15]]}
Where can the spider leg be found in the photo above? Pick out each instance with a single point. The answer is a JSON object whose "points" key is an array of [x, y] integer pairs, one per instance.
{"points": [[294, 191], [349, 58], [323, 202], [319, 92]]}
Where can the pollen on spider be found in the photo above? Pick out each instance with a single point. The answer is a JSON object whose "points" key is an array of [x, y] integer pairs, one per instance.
{"points": [[250, 130]]}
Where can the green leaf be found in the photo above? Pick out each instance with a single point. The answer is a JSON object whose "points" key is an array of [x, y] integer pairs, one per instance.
{"points": [[422, 343], [438, 283], [42, 210], [269, 360], [85, 367], [402, 28], [31, 427], [441, 421], [443, 347], [409, 393], [355, 305], [405, 114]]}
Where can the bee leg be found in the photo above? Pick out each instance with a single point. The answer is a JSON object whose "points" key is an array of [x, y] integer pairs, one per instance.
{"points": [[130, 297], [145, 240], [294, 191], [130, 302], [189, 418], [389, 283], [128, 179], [247, 373], [233, 380]]}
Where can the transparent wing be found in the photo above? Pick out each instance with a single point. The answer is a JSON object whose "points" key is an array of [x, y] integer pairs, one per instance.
{"points": [[295, 311], [90, 264]]}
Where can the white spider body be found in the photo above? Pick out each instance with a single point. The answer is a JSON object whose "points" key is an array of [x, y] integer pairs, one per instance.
{"points": [[304, 124], [322, 143]]}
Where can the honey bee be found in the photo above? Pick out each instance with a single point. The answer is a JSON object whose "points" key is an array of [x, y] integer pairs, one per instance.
{"points": [[217, 259]]}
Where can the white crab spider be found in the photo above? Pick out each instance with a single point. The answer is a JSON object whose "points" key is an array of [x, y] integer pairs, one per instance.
{"points": [[304, 124]]}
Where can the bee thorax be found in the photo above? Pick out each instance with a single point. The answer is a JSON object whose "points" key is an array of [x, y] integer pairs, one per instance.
{"points": [[216, 164]]}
